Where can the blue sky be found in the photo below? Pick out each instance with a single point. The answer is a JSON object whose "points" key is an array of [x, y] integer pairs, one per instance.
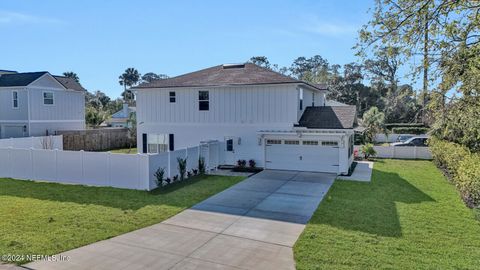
{"points": [[100, 39]]}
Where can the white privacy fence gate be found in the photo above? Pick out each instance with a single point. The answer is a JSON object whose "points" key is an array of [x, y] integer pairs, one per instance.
{"points": [[400, 152], [101, 168]]}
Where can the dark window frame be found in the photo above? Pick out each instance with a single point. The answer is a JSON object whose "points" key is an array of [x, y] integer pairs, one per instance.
{"points": [[229, 145], [203, 100], [173, 96]]}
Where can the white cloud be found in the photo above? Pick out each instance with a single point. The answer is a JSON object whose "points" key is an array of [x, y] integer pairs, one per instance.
{"points": [[9, 17]]}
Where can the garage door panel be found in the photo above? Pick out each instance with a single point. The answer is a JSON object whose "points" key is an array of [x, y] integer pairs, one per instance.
{"points": [[302, 157]]}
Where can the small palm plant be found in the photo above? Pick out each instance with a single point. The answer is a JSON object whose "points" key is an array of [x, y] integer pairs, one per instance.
{"points": [[201, 165], [182, 167], [159, 176]]}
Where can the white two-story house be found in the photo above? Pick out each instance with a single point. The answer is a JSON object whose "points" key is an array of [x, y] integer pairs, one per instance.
{"points": [[39, 104], [278, 121]]}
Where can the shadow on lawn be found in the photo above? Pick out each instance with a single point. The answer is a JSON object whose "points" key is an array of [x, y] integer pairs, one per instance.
{"points": [[369, 207], [177, 195]]}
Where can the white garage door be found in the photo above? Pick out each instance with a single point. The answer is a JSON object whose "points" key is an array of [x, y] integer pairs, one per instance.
{"points": [[302, 155]]}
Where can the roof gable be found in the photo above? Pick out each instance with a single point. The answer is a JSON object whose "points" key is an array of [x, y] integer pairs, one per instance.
{"points": [[224, 75], [328, 117], [48, 81]]}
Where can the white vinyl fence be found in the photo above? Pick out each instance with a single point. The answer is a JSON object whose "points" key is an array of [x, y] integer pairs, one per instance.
{"points": [[100, 168], [400, 152], [45, 142]]}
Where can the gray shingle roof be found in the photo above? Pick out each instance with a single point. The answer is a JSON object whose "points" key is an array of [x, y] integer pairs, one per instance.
{"points": [[20, 79], [222, 75], [70, 83], [26, 78], [328, 117]]}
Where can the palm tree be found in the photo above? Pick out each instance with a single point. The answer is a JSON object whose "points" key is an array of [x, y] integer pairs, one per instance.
{"points": [[71, 74], [374, 122], [129, 78]]}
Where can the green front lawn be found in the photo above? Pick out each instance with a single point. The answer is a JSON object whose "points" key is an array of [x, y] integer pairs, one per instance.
{"points": [[48, 218], [408, 217]]}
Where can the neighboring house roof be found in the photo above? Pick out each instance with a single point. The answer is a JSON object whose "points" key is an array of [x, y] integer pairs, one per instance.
{"points": [[70, 83], [124, 114], [20, 79], [334, 103], [26, 78], [222, 75], [329, 117]]}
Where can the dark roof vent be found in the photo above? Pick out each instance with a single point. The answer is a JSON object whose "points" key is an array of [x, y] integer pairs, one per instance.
{"points": [[230, 66]]}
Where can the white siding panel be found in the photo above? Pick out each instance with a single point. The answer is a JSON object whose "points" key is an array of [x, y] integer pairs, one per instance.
{"points": [[242, 104]]}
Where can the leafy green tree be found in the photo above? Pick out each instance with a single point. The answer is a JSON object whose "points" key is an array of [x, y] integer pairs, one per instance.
{"points": [[94, 117], [150, 77], [73, 75], [132, 129], [314, 68], [129, 78], [443, 32], [260, 61], [374, 122]]}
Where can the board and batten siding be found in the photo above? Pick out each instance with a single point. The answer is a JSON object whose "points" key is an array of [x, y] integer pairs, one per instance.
{"points": [[7, 112], [234, 104], [68, 105]]}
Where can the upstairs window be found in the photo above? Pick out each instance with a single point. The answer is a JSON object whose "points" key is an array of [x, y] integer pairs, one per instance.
{"points": [[203, 101], [172, 97], [15, 99], [48, 98]]}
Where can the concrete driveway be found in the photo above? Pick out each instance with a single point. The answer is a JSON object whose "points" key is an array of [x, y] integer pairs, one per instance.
{"points": [[252, 225]]}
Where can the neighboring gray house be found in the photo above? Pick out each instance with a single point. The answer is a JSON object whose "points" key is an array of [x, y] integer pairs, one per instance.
{"points": [[278, 121], [38, 103], [120, 118]]}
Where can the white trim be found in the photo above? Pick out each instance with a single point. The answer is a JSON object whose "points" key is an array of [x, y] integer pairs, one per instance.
{"points": [[14, 121], [53, 89], [13, 100], [28, 111], [12, 88], [56, 121], [43, 98], [296, 84], [261, 125]]}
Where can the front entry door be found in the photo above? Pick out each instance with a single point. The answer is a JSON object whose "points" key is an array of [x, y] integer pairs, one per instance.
{"points": [[230, 150]]}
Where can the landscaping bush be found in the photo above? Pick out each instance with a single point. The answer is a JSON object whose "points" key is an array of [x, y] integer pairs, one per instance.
{"points": [[462, 167], [242, 163], [182, 167], [159, 176], [368, 150], [252, 163], [201, 165], [410, 130]]}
